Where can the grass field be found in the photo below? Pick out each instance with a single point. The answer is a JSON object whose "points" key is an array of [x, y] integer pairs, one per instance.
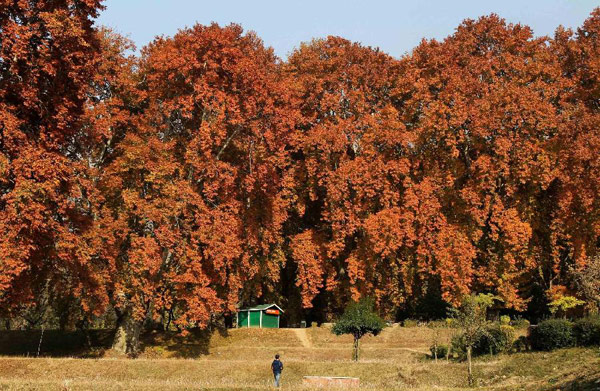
{"points": [[240, 360]]}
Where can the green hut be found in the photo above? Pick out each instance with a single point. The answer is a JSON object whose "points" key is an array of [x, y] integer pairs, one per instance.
{"points": [[261, 316]]}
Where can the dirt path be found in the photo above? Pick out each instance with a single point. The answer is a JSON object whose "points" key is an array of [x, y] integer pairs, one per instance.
{"points": [[301, 334]]}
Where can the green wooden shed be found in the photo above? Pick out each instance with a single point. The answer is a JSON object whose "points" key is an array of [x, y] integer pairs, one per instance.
{"points": [[261, 316]]}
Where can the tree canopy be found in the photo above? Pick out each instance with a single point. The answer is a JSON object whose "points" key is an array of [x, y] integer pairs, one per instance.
{"points": [[359, 319], [171, 187]]}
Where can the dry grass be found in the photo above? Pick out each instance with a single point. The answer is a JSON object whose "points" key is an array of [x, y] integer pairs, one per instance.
{"points": [[240, 361]]}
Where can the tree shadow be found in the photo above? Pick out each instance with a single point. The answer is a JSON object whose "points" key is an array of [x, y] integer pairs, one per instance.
{"points": [[95, 343], [195, 343], [55, 343], [582, 384]]}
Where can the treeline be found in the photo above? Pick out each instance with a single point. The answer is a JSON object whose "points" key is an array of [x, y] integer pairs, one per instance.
{"points": [[206, 173]]}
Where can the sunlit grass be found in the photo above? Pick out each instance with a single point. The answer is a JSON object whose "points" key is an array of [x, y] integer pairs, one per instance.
{"points": [[240, 361]]}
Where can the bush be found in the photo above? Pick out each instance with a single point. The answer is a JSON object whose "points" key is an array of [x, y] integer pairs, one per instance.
{"points": [[552, 334], [505, 320], [458, 346], [442, 351], [495, 339], [587, 331]]}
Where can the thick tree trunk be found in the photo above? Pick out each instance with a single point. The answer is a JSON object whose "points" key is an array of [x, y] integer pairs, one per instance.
{"points": [[470, 370], [127, 335]]}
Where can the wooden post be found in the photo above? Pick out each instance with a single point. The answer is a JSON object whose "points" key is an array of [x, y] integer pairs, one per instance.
{"points": [[470, 377], [40, 344]]}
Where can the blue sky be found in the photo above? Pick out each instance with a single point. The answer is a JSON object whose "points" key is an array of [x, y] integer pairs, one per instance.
{"points": [[394, 26]]}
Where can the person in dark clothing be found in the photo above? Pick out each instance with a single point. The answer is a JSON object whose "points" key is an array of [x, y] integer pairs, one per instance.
{"points": [[277, 367]]}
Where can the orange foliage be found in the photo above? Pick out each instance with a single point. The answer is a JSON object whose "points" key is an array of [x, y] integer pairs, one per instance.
{"points": [[208, 173], [48, 50]]}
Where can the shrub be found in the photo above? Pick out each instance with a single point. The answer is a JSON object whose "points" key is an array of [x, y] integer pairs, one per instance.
{"points": [[552, 334], [494, 339], [505, 320], [458, 346], [442, 351], [587, 331]]}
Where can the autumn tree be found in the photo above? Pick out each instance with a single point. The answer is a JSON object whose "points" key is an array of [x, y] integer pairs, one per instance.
{"points": [[577, 219], [206, 173], [193, 196], [114, 107], [357, 210], [48, 52], [484, 104]]}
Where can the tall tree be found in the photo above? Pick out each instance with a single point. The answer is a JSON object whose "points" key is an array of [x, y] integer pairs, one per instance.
{"points": [[577, 221], [114, 107], [358, 210], [48, 52], [194, 194], [484, 104]]}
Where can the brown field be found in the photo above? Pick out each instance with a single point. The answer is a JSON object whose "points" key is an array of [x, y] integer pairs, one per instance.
{"points": [[395, 360]]}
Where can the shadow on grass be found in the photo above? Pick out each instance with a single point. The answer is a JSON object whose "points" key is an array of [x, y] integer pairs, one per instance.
{"points": [[194, 344], [55, 343], [587, 384], [94, 343]]}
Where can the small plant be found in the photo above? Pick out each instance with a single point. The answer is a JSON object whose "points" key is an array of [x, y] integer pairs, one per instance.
{"points": [[438, 350], [552, 334], [358, 320], [587, 331], [471, 318], [505, 320], [436, 326]]}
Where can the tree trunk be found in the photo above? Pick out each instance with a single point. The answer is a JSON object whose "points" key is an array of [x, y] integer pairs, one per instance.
{"points": [[356, 351], [470, 376], [127, 335], [435, 350]]}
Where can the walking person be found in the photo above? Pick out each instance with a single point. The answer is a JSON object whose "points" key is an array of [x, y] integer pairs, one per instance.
{"points": [[277, 367]]}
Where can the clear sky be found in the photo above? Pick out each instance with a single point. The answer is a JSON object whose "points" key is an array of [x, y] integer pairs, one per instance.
{"points": [[394, 26]]}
